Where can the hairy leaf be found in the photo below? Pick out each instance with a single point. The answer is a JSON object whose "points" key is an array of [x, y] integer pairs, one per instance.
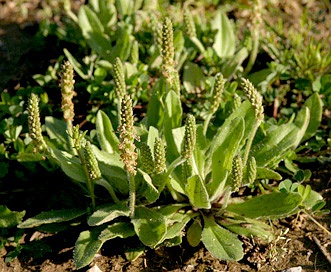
{"points": [[197, 193], [228, 141], [149, 225], [106, 135], [108, 213], [273, 205], [54, 216], [220, 242], [9, 218], [87, 245], [225, 42]]}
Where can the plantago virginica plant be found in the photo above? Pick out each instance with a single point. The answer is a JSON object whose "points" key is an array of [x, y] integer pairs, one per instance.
{"points": [[183, 175]]}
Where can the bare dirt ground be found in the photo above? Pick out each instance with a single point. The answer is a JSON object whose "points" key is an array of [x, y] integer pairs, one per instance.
{"points": [[305, 245]]}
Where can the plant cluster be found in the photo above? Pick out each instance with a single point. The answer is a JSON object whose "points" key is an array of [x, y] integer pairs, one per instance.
{"points": [[201, 160]]}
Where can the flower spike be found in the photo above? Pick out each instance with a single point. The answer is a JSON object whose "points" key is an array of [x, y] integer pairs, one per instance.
{"points": [[91, 162], [147, 160], [217, 92], [119, 79], [159, 156], [189, 25], [34, 124], [254, 97], [127, 135], [237, 172], [67, 89], [189, 137], [168, 51]]}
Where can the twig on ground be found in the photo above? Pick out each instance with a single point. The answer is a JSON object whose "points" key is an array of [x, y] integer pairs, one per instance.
{"points": [[322, 248]]}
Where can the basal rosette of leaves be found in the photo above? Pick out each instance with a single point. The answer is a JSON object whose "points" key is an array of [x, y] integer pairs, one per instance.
{"points": [[201, 203], [185, 171]]}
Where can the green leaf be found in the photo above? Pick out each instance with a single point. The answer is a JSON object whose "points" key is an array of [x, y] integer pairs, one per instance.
{"points": [[155, 108], [310, 197], [193, 77], [106, 135], [87, 245], [265, 173], [149, 225], [226, 145], [151, 193], [193, 234], [248, 227], [315, 106], [118, 229], [56, 129], [131, 254], [93, 32], [234, 62], [108, 213], [197, 193], [273, 205], [54, 216], [124, 7], [279, 139], [122, 47], [70, 165], [8, 218], [169, 210], [172, 119], [77, 66], [224, 41], [106, 12], [153, 133], [176, 226], [220, 242]]}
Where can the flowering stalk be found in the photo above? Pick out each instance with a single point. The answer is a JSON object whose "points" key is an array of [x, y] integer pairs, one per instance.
{"points": [[157, 32], [147, 159], [87, 159], [255, 33], [127, 147], [190, 30], [134, 56], [216, 99], [119, 79], [251, 170], [189, 25], [67, 90], [159, 156], [168, 53], [93, 171], [188, 145], [237, 173], [34, 124], [256, 100]]}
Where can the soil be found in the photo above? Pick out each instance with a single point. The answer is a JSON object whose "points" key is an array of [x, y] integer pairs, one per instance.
{"points": [[305, 245]]}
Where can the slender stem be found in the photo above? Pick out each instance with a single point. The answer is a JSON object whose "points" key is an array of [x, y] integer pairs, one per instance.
{"points": [[206, 123], [316, 222], [88, 180], [71, 141], [250, 140], [132, 196]]}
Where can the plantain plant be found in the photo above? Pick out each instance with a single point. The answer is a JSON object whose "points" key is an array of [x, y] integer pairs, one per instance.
{"points": [[171, 174]]}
